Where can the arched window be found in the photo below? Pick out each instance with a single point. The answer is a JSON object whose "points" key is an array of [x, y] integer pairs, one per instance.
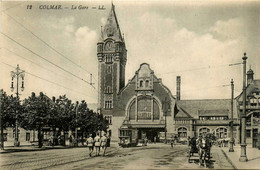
{"points": [[108, 89], [147, 83], [141, 83], [108, 69], [147, 109], [221, 132], [132, 111], [182, 132], [204, 131]]}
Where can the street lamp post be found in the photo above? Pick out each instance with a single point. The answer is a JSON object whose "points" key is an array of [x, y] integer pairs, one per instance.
{"points": [[231, 149], [18, 73], [243, 157]]}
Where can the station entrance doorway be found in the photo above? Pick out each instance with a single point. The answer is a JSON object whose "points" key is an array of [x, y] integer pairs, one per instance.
{"points": [[150, 133]]}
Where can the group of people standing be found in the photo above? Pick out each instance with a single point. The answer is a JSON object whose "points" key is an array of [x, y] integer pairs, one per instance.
{"points": [[98, 142]]}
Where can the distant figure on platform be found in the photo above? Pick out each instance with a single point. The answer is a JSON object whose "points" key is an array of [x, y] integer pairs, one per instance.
{"points": [[90, 143], [97, 143], [104, 143], [175, 139], [154, 139], [51, 141], [145, 141], [70, 140]]}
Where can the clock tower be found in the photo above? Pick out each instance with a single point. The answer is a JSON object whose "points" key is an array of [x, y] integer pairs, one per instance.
{"points": [[111, 53]]}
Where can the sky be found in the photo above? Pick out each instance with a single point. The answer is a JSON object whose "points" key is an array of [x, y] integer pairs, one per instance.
{"points": [[196, 40]]}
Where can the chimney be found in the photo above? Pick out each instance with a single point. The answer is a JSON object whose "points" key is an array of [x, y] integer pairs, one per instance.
{"points": [[178, 88]]}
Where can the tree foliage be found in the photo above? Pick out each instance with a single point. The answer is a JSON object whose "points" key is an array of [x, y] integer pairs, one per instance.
{"points": [[87, 120], [37, 112], [40, 111], [9, 107]]}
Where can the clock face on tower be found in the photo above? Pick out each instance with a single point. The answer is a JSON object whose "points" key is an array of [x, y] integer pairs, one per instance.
{"points": [[109, 45]]}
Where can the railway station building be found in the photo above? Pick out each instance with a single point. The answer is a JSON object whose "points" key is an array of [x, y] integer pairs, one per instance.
{"points": [[139, 102]]}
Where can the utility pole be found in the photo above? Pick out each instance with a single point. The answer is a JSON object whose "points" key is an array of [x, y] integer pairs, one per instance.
{"points": [[18, 73], [165, 107], [231, 149], [243, 157], [76, 130], [1, 120]]}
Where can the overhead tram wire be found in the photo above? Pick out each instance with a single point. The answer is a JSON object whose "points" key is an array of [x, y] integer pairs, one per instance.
{"points": [[199, 68], [33, 62], [50, 81], [45, 58], [48, 44], [58, 84]]}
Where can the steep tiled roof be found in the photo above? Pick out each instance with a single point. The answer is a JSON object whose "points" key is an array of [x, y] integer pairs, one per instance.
{"points": [[219, 112], [254, 86], [206, 107], [111, 28]]}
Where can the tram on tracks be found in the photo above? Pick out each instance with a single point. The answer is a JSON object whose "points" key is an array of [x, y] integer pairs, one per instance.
{"points": [[128, 137]]}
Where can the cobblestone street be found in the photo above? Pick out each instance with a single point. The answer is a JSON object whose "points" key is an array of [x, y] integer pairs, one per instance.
{"points": [[157, 156]]}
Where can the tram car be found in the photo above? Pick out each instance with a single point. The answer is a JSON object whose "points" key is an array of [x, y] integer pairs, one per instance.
{"points": [[128, 137]]}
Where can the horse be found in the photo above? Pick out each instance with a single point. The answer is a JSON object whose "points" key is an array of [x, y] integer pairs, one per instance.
{"points": [[203, 146]]}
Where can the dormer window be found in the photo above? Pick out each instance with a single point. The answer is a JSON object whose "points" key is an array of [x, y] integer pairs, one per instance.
{"points": [[141, 83], [147, 83]]}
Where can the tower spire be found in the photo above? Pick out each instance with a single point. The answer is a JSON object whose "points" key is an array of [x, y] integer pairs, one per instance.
{"points": [[111, 28]]}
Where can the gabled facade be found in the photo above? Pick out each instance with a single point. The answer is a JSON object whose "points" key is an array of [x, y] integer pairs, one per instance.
{"points": [[139, 103], [252, 108]]}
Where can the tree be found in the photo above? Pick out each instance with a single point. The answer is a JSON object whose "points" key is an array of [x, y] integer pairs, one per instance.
{"points": [[37, 113], [10, 106], [65, 114], [88, 120]]}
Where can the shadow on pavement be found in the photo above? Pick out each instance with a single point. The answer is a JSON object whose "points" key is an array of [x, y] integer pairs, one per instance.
{"points": [[31, 149]]}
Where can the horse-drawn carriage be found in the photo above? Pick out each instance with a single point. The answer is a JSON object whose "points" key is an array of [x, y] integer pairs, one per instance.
{"points": [[200, 149]]}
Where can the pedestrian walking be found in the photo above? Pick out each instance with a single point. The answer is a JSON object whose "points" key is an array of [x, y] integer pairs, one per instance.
{"points": [[104, 143], [97, 143], [90, 143], [172, 140], [188, 140], [154, 139]]}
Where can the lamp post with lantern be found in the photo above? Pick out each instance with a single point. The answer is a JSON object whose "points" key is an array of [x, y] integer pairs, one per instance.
{"points": [[18, 73], [243, 157], [231, 149]]}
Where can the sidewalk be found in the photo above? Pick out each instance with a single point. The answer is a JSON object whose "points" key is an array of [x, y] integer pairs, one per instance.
{"points": [[29, 148], [253, 156]]}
